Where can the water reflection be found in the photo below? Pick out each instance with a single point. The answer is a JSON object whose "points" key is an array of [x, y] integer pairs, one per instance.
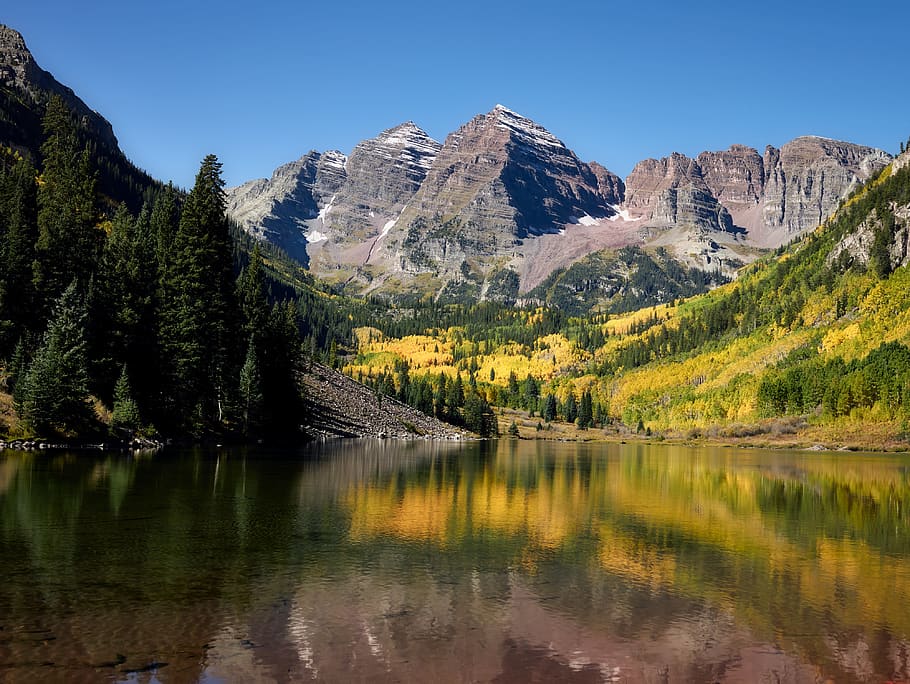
{"points": [[384, 561]]}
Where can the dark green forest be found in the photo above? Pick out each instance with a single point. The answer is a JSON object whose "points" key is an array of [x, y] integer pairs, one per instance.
{"points": [[151, 313]]}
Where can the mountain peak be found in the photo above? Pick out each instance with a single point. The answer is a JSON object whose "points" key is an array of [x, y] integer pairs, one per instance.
{"points": [[10, 38], [406, 134], [17, 65], [523, 129]]}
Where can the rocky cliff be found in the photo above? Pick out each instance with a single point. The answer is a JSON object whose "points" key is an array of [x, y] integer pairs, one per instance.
{"points": [[26, 89], [280, 209], [805, 181], [329, 210]]}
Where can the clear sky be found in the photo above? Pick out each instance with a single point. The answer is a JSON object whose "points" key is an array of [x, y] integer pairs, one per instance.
{"points": [[261, 83]]}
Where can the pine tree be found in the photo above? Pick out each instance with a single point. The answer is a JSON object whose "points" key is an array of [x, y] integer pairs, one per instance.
{"points": [[478, 416], [125, 417], [549, 413], [251, 398], [439, 399], [165, 221], [197, 315], [251, 292], [455, 399], [585, 411], [513, 389], [123, 322], [279, 364], [54, 395], [69, 243], [571, 408]]}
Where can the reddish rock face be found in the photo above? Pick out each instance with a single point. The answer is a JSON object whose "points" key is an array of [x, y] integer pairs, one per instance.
{"points": [[808, 177], [773, 198], [673, 192], [504, 171], [735, 176]]}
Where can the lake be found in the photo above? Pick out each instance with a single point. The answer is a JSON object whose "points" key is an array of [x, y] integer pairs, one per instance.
{"points": [[455, 562]]}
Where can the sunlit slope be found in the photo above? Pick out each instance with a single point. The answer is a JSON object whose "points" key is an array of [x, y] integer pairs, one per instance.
{"points": [[797, 335]]}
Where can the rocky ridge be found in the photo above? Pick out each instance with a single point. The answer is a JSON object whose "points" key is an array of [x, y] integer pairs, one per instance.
{"points": [[20, 72], [502, 203]]}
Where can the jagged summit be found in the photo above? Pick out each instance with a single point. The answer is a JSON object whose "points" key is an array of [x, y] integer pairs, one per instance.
{"points": [[410, 142], [523, 128]]}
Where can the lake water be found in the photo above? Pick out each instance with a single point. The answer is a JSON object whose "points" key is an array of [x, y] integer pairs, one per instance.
{"points": [[443, 562]]}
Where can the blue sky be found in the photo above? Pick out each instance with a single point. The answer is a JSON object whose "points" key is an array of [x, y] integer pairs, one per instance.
{"points": [[259, 84]]}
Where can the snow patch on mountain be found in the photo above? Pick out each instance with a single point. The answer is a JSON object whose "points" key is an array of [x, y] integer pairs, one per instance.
{"points": [[622, 214], [527, 131], [326, 209]]}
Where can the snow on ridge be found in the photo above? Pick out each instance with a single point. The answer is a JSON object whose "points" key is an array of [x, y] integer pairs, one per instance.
{"points": [[528, 131], [405, 143], [334, 158], [316, 236]]}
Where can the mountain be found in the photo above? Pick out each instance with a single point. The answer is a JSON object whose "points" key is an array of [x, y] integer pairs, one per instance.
{"points": [[809, 346], [446, 215], [503, 204], [329, 210], [25, 89]]}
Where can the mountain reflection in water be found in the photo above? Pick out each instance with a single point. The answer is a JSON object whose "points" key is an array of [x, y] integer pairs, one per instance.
{"points": [[506, 562]]}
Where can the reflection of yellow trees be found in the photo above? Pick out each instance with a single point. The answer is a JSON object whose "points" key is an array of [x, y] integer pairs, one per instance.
{"points": [[632, 558], [435, 510], [693, 522]]}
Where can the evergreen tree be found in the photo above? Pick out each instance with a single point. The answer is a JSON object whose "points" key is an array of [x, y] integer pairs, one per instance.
{"points": [[54, 392], [165, 221], [513, 389], [251, 399], [69, 242], [279, 364], [125, 417], [18, 366], [549, 413], [531, 392], [197, 321], [455, 399], [585, 411], [439, 400], [478, 416], [571, 408], [251, 292], [425, 396]]}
